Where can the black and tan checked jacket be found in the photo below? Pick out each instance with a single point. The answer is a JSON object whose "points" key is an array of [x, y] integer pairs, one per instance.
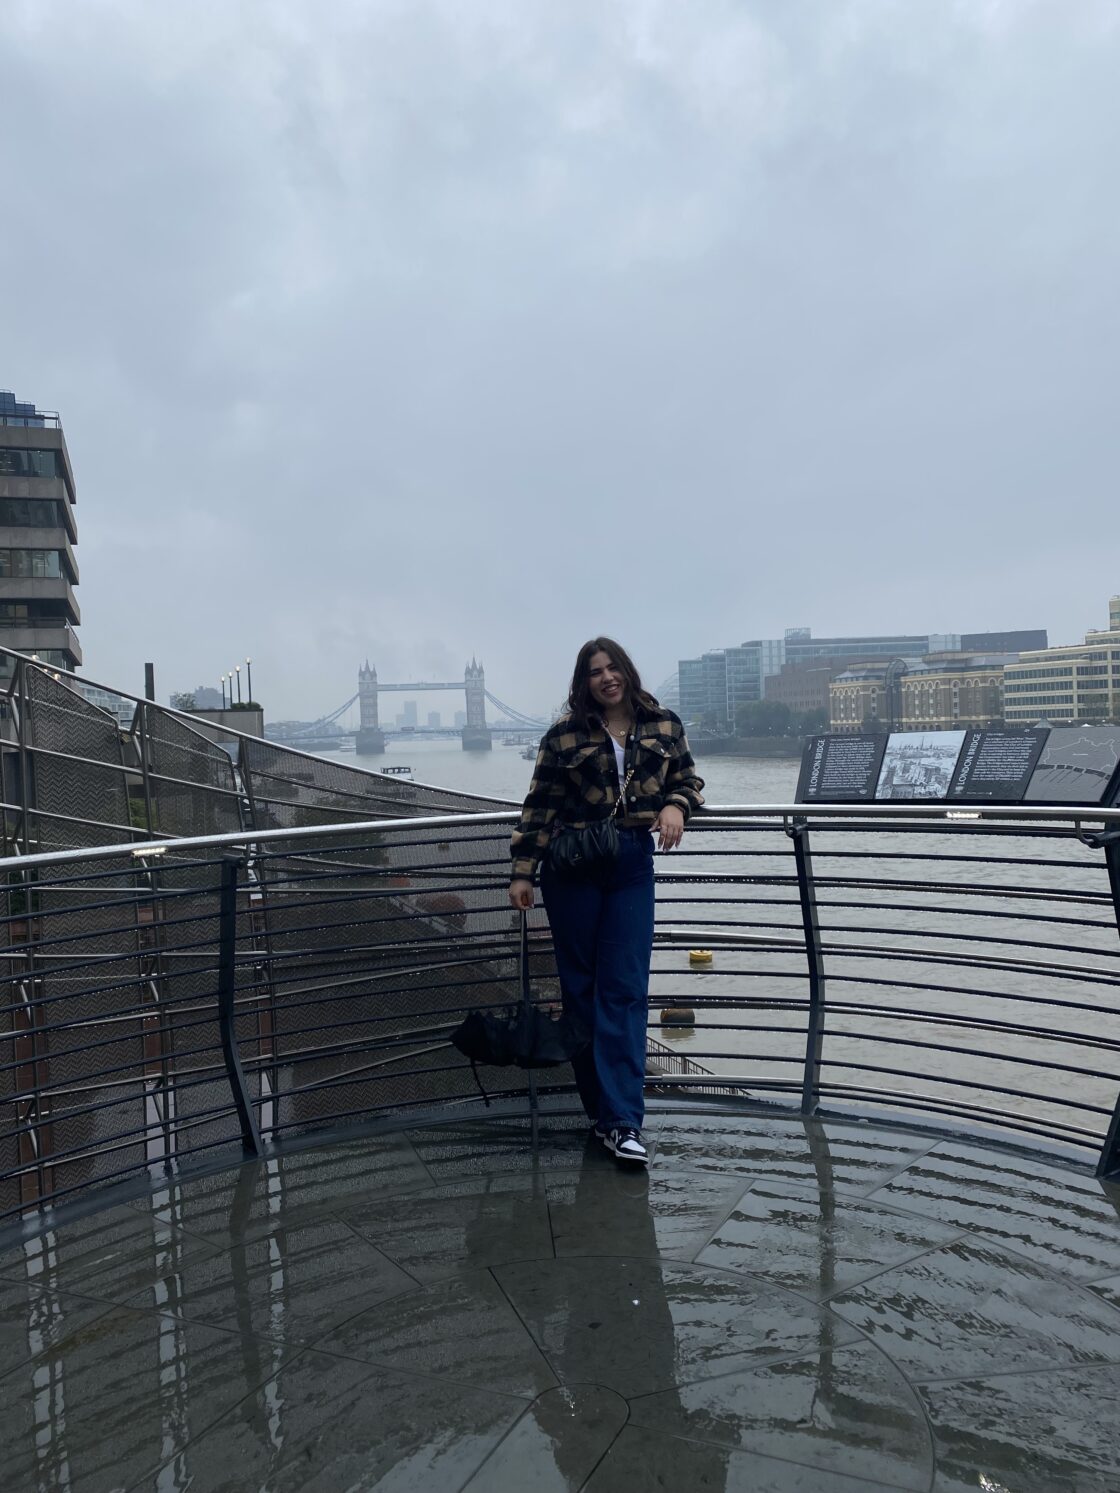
{"points": [[575, 781]]}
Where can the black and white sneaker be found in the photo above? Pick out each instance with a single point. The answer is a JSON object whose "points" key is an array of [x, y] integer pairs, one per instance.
{"points": [[626, 1143]]}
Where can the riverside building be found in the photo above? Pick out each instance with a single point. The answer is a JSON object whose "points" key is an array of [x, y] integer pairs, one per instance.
{"points": [[799, 669], [38, 572], [941, 691], [926, 694], [1079, 682]]}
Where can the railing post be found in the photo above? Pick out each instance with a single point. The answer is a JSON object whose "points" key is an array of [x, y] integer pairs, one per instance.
{"points": [[526, 1002], [814, 1040], [1109, 840], [1109, 1163], [227, 988], [24, 759]]}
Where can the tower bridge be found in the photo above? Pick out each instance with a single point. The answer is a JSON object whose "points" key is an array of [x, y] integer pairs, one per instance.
{"points": [[475, 735]]}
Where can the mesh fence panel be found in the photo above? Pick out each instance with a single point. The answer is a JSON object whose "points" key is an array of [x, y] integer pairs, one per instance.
{"points": [[375, 946], [191, 779], [111, 1057], [76, 764]]}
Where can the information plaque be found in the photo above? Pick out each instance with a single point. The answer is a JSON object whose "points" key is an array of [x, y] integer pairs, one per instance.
{"points": [[1041, 765], [919, 764], [1078, 765], [840, 769], [996, 766]]}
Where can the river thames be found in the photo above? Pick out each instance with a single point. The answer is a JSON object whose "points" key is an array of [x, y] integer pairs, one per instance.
{"points": [[938, 897]]}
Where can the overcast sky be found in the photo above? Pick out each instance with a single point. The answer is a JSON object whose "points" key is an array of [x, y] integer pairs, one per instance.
{"points": [[434, 328]]}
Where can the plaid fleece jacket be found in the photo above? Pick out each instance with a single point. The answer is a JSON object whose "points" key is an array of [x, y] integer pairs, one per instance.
{"points": [[575, 781]]}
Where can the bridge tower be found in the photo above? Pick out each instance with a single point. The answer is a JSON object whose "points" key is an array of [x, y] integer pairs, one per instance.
{"points": [[370, 742], [476, 733]]}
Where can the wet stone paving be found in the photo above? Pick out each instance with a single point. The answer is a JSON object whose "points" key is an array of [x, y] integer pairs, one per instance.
{"points": [[778, 1305]]}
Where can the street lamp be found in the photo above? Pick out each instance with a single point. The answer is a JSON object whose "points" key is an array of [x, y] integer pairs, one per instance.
{"points": [[223, 691], [237, 671], [249, 680]]}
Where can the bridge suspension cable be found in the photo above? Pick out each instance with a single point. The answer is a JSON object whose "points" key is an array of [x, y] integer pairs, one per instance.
{"points": [[515, 715], [326, 720]]}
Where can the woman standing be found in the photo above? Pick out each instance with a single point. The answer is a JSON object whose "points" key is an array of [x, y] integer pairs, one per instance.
{"points": [[613, 734]]}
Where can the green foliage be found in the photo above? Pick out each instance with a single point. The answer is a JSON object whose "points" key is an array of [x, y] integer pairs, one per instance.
{"points": [[763, 718], [811, 722], [773, 718]]}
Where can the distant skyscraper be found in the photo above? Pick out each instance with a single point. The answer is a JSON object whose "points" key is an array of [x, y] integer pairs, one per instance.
{"points": [[433, 720], [38, 572], [408, 715]]}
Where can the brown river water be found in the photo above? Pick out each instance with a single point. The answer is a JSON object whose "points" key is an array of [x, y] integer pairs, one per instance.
{"points": [[955, 902]]}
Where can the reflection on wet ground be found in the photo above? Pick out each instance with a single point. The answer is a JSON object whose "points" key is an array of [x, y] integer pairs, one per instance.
{"points": [[775, 1306]]}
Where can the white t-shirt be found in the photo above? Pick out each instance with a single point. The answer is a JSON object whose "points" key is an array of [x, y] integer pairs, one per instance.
{"points": [[619, 760]]}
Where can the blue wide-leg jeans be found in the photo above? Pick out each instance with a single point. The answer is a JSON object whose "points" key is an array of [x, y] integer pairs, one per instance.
{"points": [[602, 931]]}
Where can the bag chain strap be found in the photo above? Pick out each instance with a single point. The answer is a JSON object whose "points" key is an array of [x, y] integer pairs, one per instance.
{"points": [[621, 794]]}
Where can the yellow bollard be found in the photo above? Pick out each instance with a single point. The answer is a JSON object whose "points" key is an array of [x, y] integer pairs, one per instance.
{"points": [[699, 956], [678, 1016]]}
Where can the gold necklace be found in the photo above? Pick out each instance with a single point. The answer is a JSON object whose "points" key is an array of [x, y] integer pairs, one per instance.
{"points": [[619, 733]]}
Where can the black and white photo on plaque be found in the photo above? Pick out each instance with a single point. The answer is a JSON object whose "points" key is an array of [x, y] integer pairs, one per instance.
{"points": [[919, 764]]}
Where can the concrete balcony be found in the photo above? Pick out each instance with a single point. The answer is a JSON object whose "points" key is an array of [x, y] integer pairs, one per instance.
{"points": [[41, 487], [42, 588], [778, 1304], [18, 537], [35, 637]]}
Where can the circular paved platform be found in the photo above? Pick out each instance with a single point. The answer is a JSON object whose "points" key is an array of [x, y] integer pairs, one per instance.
{"points": [[776, 1305]]}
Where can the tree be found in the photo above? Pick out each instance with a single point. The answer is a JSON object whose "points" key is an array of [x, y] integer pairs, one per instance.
{"points": [[811, 722], [183, 702], [763, 718]]}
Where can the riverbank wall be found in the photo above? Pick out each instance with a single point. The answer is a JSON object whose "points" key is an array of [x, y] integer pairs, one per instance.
{"points": [[747, 746]]}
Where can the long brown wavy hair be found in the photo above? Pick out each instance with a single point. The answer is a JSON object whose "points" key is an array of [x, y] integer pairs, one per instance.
{"points": [[580, 702]]}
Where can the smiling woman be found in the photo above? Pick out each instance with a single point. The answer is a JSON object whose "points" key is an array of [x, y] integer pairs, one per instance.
{"points": [[611, 773]]}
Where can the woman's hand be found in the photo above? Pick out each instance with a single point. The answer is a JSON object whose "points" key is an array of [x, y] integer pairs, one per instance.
{"points": [[669, 825], [521, 892]]}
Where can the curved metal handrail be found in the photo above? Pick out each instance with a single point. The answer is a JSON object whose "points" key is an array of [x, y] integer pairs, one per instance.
{"points": [[715, 816], [167, 996]]}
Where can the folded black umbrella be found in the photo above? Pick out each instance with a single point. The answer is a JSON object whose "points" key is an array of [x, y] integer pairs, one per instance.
{"points": [[521, 1036]]}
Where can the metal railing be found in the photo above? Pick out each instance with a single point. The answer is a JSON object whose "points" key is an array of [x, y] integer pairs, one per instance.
{"points": [[165, 1001], [172, 998], [39, 420]]}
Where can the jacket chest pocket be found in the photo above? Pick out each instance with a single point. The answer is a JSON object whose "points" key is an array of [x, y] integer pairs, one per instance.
{"points": [[579, 764], [652, 765]]}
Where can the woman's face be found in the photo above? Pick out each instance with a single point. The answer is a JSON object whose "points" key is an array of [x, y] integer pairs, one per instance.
{"points": [[605, 681]]}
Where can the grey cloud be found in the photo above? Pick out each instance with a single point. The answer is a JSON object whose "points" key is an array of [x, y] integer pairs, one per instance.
{"points": [[427, 330]]}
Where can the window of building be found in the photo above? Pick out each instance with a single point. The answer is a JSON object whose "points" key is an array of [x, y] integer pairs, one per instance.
{"points": [[31, 513], [20, 463], [39, 564]]}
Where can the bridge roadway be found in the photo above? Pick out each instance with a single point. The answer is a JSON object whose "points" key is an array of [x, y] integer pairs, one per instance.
{"points": [[518, 735]]}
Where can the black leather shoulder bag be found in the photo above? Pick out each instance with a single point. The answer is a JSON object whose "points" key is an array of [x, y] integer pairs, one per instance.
{"points": [[576, 853]]}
